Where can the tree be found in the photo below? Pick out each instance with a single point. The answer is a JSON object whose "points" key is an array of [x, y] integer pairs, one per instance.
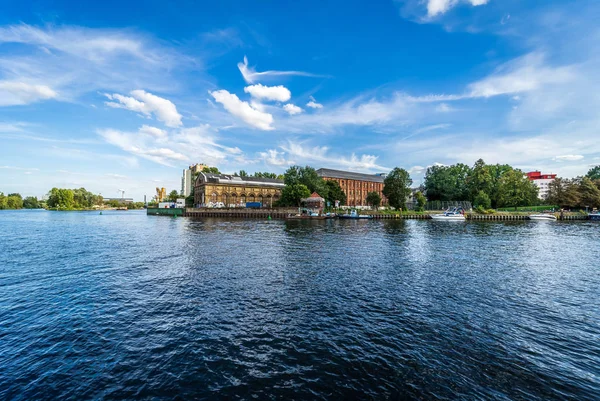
{"points": [[482, 200], [243, 173], [173, 195], [594, 173], [14, 201], [293, 194], [61, 198], [396, 187], [264, 175], [211, 170], [31, 202], [335, 193], [307, 176], [421, 201], [516, 190], [447, 183], [589, 194], [373, 199], [479, 179], [3, 203]]}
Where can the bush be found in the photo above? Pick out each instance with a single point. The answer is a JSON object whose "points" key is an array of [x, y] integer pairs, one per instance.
{"points": [[482, 200]]}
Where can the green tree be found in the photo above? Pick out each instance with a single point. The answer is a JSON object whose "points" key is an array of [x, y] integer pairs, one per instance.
{"points": [[307, 176], [264, 175], [421, 201], [335, 193], [396, 187], [479, 179], [3, 203], [211, 170], [589, 194], [516, 190], [61, 198], [373, 199], [14, 201], [482, 200], [447, 183], [563, 192], [497, 171], [594, 173], [292, 195], [173, 195], [243, 173], [31, 202]]}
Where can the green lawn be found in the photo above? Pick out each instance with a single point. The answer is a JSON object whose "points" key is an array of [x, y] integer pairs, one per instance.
{"points": [[529, 208]]}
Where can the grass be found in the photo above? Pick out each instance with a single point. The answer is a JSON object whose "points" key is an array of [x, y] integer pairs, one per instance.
{"points": [[529, 208]]}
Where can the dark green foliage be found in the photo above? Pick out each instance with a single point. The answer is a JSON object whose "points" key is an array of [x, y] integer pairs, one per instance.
{"points": [[421, 201], [31, 202], [335, 193], [173, 195], [373, 199], [292, 195], [594, 173], [211, 170], [482, 200], [396, 187], [447, 183]]}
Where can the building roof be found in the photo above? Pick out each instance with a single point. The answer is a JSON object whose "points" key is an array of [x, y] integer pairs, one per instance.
{"points": [[237, 180], [348, 175]]}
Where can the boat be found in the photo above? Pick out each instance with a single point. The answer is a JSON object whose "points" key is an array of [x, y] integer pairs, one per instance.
{"points": [[354, 215], [543, 217], [454, 214], [594, 216], [306, 214]]}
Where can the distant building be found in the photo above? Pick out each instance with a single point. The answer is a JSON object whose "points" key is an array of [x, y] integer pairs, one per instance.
{"points": [[356, 186], [542, 181], [188, 178], [122, 200], [234, 191]]}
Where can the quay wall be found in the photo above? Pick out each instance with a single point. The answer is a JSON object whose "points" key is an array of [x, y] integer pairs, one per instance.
{"points": [[282, 213], [164, 211]]}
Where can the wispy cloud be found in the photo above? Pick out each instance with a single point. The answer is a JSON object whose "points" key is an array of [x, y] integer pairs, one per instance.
{"points": [[321, 154], [251, 75], [16, 93]]}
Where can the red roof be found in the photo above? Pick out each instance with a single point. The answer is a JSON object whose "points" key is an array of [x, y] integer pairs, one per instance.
{"points": [[315, 195]]}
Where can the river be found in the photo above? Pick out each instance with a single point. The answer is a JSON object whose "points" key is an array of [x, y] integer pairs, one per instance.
{"points": [[127, 306]]}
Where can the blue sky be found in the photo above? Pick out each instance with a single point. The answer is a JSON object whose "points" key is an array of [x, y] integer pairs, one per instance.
{"points": [[124, 95]]}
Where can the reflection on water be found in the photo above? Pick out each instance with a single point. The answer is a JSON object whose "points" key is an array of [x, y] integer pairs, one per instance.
{"points": [[124, 305]]}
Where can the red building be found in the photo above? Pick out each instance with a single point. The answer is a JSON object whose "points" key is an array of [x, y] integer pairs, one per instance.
{"points": [[356, 186], [537, 175]]}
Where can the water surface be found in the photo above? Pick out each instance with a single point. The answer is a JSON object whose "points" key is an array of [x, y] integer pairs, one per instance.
{"points": [[124, 305]]}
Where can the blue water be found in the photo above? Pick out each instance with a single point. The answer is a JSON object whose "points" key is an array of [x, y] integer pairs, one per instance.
{"points": [[123, 305]]}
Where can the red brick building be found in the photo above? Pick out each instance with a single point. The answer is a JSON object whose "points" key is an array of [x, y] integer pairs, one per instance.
{"points": [[356, 186]]}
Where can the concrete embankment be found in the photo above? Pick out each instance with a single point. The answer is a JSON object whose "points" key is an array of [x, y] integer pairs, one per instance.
{"points": [[282, 213]]}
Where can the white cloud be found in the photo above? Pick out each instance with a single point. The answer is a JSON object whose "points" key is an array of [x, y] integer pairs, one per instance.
{"points": [[292, 109], [436, 7], [243, 110], [443, 108], [15, 93], [313, 104], [276, 93], [147, 104], [275, 158], [568, 158], [156, 132], [251, 75], [321, 154], [524, 74]]}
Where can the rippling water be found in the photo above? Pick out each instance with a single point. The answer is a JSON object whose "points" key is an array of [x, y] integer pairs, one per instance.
{"points": [[124, 305]]}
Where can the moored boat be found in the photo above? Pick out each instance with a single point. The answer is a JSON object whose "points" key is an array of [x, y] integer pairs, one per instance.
{"points": [[455, 214], [542, 217], [354, 215], [594, 216]]}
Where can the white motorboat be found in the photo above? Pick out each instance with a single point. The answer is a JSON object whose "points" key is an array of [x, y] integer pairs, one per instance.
{"points": [[456, 214], [542, 217]]}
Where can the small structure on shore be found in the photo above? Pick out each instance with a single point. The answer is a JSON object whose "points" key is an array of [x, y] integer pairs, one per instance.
{"points": [[314, 202]]}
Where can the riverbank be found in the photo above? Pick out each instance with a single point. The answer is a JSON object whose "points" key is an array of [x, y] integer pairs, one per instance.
{"points": [[282, 213]]}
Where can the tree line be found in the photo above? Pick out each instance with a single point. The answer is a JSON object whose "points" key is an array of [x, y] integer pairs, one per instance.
{"points": [[484, 185], [579, 192], [61, 198]]}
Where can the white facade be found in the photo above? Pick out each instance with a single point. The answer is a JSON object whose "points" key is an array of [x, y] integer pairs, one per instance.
{"points": [[543, 185], [186, 183]]}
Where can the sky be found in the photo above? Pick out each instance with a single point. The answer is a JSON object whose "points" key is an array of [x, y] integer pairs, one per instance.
{"points": [[125, 95]]}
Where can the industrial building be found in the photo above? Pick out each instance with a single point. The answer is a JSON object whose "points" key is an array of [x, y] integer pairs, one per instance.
{"points": [[226, 190], [356, 186]]}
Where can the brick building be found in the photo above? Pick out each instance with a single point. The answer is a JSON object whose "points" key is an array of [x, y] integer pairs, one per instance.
{"points": [[356, 186]]}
